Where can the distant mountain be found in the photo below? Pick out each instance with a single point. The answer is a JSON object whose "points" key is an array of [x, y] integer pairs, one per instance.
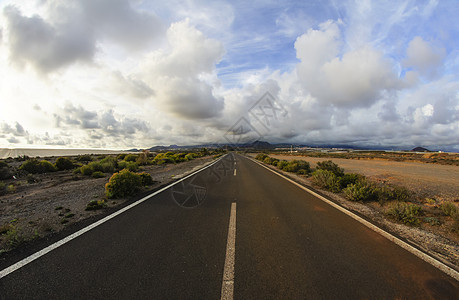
{"points": [[420, 149], [260, 145]]}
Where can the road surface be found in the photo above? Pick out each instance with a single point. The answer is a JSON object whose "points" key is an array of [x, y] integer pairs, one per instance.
{"points": [[288, 245]]}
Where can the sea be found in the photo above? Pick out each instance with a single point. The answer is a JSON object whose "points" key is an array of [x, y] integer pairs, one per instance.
{"points": [[15, 152]]}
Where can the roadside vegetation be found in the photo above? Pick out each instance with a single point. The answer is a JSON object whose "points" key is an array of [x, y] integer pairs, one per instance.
{"points": [[397, 202], [442, 158]]}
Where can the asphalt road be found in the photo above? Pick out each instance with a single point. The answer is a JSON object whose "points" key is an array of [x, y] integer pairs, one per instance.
{"points": [[289, 245]]}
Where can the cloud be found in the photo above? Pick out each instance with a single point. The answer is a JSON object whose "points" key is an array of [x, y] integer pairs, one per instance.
{"points": [[423, 57], [73, 31], [178, 75], [355, 79], [33, 40], [16, 130]]}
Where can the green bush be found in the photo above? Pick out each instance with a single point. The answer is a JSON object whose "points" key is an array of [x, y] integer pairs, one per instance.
{"points": [[108, 164], [146, 179], [84, 157], [449, 209], [274, 162], [98, 174], [360, 191], [326, 179], [143, 158], [4, 171], [406, 212], [164, 158], [400, 193], [37, 167], [122, 184], [281, 164], [349, 178], [2, 188], [268, 160], [330, 166], [179, 157], [86, 170], [261, 156], [121, 156], [63, 163], [190, 156], [95, 204], [130, 157], [131, 166]]}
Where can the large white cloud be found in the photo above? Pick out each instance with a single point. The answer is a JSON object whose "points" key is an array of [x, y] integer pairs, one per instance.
{"points": [[354, 78], [178, 73]]}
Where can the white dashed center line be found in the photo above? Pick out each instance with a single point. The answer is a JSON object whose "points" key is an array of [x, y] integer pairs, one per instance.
{"points": [[228, 272]]}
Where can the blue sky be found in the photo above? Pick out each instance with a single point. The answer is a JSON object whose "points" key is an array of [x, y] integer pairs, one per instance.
{"points": [[122, 74]]}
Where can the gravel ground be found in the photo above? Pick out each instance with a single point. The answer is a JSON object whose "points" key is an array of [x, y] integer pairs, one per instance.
{"points": [[57, 200], [426, 180]]}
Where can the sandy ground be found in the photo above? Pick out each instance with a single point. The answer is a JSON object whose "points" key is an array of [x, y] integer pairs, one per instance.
{"points": [[426, 180], [57, 199]]}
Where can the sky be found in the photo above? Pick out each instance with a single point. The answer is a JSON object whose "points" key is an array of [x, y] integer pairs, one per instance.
{"points": [[120, 74]]}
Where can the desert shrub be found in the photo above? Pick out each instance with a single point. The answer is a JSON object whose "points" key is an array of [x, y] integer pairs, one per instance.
{"points": [[132, 166], [303, 167], [130, 157], [121, 156], [108, 164], [330, 166], [274, 162], [326, 179], [34, 166], [449, 209], [11, 189], [405, 212], [190, 156], [179, 157], [261, 156], [268, 160], [146, 179], [400, 193], [164, 158], [96, 166], [143, 158], [281, 164], [95, 204], [98, 174], [31, 179], [2, 188], [387, 193], [86, 170], [455, 226], [349, 178], [13, 238], [362, 190], [122, 184], [4, 171], [63, 163], [84, 158]]}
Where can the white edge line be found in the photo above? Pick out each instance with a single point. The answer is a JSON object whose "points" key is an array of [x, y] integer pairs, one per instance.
{"points": [[68, 238], [427, 258], [228, 271]]}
